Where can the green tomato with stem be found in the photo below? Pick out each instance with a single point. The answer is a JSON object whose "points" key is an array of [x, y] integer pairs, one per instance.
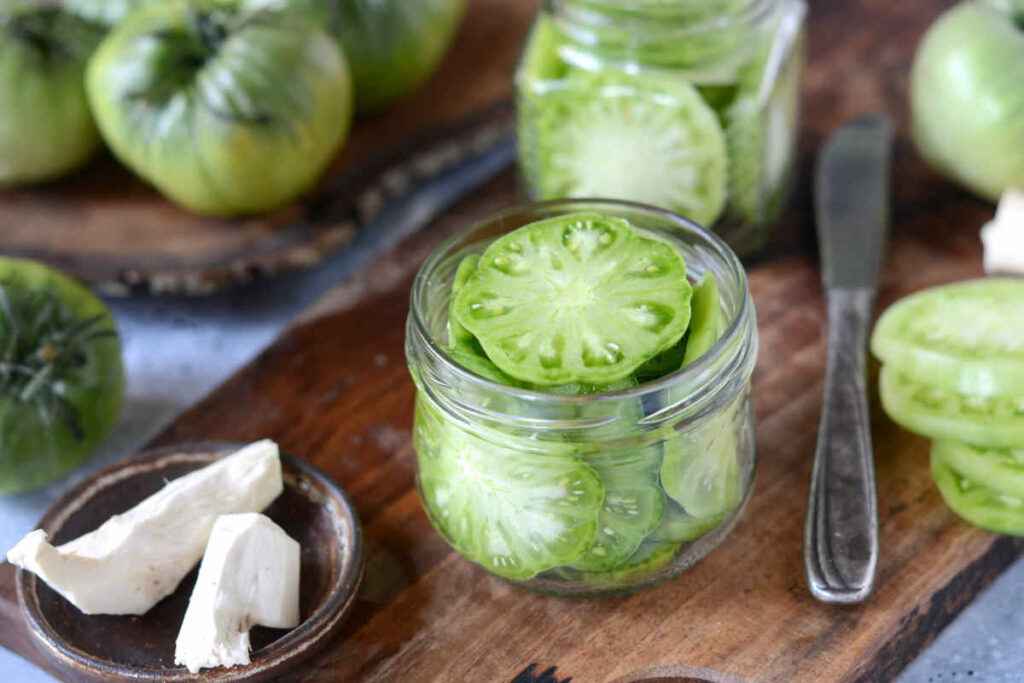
{"points": [[46, 129], [228, 108], [61, 374]]}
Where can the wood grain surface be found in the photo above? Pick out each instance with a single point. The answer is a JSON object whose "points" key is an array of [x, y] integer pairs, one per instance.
{"points": [[111, 229], [334, 389]]}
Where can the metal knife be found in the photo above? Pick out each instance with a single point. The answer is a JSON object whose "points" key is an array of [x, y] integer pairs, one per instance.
{"points": [[852, 210]]}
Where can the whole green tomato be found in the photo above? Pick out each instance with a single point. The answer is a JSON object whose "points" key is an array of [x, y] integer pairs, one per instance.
{"points": [[61, 375], [967, 96], [228, 108], [46, 129], [393, 46]]}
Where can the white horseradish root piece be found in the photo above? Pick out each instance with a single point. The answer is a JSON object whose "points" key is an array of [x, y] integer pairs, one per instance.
{"points": [[1003, 238], [249, 577], [137, 558]]}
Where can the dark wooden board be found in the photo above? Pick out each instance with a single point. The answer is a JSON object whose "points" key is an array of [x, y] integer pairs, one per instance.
{"points": [[334, 388], [109, 228]]}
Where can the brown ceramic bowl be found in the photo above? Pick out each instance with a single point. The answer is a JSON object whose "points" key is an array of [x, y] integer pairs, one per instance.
{"points": [[312, 509]]}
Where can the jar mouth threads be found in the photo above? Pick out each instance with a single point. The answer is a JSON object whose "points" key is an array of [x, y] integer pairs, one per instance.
{"points": [[663, 16], [649, 34], [718, 376]]}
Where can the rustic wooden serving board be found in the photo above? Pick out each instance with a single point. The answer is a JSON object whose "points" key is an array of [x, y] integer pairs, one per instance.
{"points": [[334, 388]]}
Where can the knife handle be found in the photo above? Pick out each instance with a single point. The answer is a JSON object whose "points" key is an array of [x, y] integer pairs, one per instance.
{"points": [[841, 535]]}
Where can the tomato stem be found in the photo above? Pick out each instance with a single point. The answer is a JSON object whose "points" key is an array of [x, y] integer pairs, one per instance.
{"points": [[43, 345]]}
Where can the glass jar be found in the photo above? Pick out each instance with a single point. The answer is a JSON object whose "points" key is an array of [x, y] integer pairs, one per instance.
{"points": [[598, 493], [689, 106]]}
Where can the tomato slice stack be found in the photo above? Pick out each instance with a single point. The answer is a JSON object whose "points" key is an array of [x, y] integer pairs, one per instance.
{"points": [[954, 371]]}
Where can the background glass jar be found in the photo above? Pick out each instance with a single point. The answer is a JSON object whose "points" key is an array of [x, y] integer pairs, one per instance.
{"points": [[581, 494], [689, 106]]}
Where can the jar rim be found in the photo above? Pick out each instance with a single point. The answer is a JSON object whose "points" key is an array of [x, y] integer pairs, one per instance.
{"points": [[739, 326], [751, 13]]}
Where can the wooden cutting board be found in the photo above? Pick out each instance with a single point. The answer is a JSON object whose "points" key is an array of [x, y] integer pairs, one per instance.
{"points": [[334, 389]]}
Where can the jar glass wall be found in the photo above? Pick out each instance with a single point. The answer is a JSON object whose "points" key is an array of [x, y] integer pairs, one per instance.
{"points": [[692, 107], [581, 494]]}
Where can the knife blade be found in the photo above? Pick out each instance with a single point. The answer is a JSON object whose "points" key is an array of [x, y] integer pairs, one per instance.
{"points": [[852, 200]]}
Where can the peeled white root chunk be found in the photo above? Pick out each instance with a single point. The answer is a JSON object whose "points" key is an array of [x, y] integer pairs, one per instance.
{"points": [[249, 577], [136, 559], [1003, 238]]}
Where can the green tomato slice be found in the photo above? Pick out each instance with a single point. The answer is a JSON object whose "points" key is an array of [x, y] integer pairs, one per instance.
{"points": [[977, 504], [1001, 470], [479, 364], [633, 506], [677, 526], [514, 505], [459, 336], [700, 470], [966, 337], [641, 137], [946, 415], [576, 298], [665, 363], [577, 389], [463, 347], [705, 320], [541, 59], [762, 121], [649, 559]]}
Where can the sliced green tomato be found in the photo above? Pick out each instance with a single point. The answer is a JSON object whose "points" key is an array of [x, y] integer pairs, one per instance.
{"points": [[463, 347], [946, 415], [700, 470], [478, 364], [1001, 470], [705, 319], [649, 559], [665, 363], [577, 389], [762, 121], [579, 298], [514, 505], [605, 418], [679, 527], [541, 58], [633, 505], [966, 337], [642, 137], [977, 504], [459, 336]]}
